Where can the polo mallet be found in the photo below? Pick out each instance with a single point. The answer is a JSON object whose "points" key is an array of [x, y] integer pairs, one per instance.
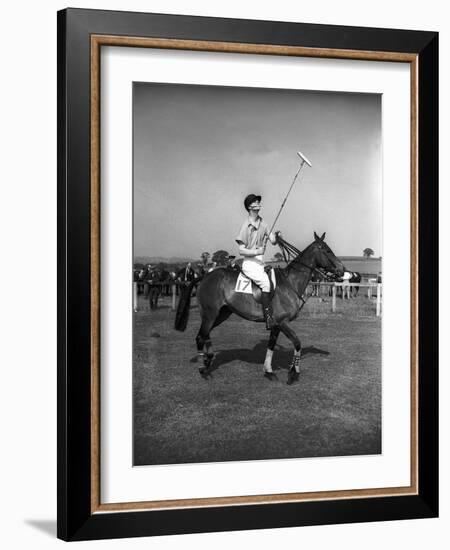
{"points": [[303, 162]]}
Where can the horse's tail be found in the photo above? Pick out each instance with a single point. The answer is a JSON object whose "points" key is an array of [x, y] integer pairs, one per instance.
{"points": [[182, 314]]}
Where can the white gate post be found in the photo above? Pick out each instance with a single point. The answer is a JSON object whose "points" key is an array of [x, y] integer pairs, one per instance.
{"points": [[174, 297], [135, 297], [378, 299], [333, 300]]}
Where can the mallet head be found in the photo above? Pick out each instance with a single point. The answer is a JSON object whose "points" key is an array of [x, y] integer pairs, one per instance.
{"points": [[304, 159]]}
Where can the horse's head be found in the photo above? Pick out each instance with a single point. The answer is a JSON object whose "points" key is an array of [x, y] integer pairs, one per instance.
{"points": [[325, 257]]}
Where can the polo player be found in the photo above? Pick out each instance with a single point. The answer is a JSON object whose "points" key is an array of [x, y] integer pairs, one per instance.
{"points": [[252, 240]]}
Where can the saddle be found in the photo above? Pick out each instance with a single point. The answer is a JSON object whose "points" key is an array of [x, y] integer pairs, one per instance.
{"points": [[246, 285]]}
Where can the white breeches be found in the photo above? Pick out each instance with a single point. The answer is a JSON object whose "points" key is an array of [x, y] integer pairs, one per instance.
{"points": [[255, 271]]}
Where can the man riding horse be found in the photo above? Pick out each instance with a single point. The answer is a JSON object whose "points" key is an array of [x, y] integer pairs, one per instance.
{"points": [[252, 239], [218, 296]]}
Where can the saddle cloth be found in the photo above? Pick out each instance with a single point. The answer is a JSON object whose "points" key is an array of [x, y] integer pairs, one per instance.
{"points": [[244, 284]]}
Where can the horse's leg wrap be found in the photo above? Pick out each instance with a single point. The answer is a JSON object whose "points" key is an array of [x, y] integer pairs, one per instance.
{"points": [[294, 371], [295, 365], [200, 343], [205, 356], [268, 361], [209, 355], [296, 360]]}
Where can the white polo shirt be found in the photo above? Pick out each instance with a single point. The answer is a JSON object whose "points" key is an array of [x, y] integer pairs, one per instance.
{"points": [[252, 235]]}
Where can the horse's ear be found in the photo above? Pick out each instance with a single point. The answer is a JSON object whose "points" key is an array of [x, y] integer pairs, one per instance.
{"points": [[316, 237], [322, 237]]}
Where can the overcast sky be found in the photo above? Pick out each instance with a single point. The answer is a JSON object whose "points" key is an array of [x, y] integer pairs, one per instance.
{"points": [[199, 150]]}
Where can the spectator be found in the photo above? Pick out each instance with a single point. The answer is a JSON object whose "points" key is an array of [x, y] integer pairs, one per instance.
{"points": [[186, 274]]}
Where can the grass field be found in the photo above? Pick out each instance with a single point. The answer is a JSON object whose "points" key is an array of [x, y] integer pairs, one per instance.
{"points": [[334, 409]]}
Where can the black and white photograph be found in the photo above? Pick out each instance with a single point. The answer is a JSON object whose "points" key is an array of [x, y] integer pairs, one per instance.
{"points": [[222, 225], [257, 274]]}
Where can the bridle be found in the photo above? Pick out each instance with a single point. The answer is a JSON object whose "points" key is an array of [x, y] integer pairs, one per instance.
{"points": [[292, 255]]}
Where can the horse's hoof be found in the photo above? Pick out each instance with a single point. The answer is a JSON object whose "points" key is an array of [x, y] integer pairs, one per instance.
{"points": [[270, 376], [292, 377], [204, 373]]}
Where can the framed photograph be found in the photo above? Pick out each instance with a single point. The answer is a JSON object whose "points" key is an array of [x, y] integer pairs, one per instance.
{"points": [[247, 252]]}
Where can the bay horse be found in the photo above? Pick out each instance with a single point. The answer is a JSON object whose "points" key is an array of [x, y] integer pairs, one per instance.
{"points": [[217, 300]]}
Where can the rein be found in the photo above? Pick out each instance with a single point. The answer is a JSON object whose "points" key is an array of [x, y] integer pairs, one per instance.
{"points": [[292, 255]]}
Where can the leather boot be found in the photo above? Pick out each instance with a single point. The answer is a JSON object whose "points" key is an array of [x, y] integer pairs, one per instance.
{"points": [[267, 310]]}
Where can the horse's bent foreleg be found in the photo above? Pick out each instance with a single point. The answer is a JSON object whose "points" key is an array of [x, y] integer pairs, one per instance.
{"points": [[294, 369]]}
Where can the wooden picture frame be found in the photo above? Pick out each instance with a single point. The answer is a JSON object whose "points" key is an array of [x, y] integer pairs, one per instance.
{"points": [[81, 35]]}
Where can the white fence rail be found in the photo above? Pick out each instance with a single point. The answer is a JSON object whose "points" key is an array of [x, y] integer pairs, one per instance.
{"points": [[346, 289]]}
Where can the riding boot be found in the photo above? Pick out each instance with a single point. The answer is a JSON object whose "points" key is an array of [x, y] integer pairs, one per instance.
{"points": [[267, 310]]}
